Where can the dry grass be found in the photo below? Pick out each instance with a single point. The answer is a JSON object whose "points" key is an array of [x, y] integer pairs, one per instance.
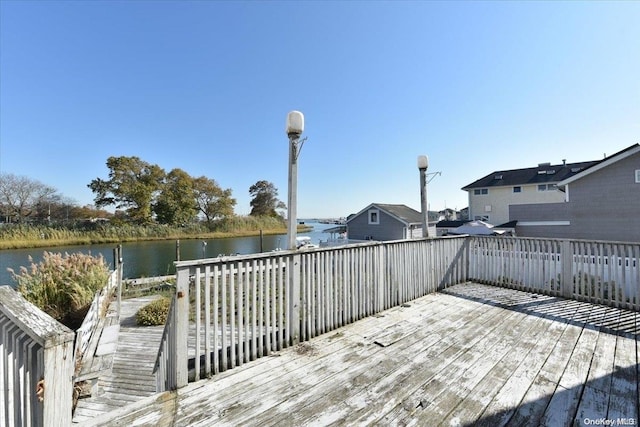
{"points": [[62, 286]]}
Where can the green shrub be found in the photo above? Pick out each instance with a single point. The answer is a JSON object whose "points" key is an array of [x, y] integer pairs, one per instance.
{"points": [[63, 286], [155, 313]]}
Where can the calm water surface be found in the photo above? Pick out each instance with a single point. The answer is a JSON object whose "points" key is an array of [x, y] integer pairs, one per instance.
{"points": [[147, 259]]}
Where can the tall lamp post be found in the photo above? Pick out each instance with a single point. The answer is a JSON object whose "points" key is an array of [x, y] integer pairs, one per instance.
{"points": [[295, 127], [423, 164]]}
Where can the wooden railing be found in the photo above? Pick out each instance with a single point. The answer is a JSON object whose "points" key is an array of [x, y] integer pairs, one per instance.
{"points": [[246, 307], [36, 365], [91, 322], [165, 360], [595, 271]]}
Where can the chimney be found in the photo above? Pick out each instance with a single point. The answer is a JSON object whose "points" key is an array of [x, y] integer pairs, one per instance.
{"points": [[564, 162]]}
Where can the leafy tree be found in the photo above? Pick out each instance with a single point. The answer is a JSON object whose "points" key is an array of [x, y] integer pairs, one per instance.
{"points": [[176, 203], [265, 199], [132, 185], [88, 212], [21, 197], [211, 200]]}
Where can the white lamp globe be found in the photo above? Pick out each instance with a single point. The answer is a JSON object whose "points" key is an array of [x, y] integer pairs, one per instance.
{"points": [[423, 162], [295, 123]]}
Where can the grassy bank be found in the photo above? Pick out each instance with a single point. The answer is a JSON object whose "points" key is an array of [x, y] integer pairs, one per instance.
{"points": [[22, 236]]}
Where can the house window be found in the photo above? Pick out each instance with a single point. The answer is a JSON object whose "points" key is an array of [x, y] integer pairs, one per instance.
{"points": [[374, 216], [481, 191], [484, 218], [547, 187], [517, 189], [637, 176]]}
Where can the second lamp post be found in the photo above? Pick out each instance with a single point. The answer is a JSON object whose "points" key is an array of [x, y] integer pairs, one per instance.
{"points": [[423, 164], [295, 127]]}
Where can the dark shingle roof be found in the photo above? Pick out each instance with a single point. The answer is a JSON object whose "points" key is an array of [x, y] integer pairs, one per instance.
{"points": [[451, 224], [404, 212], [543, 173]]}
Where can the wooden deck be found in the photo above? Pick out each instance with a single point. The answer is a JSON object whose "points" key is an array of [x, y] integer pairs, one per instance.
{"points": [[132, 375], [472, 355]]}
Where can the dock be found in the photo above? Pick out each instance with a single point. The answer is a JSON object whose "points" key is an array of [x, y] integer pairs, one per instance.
{"points": [[468, 355], [131, 377]]}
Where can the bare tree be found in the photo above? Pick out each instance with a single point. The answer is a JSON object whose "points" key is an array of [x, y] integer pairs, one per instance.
{"points": [[20, 197]]}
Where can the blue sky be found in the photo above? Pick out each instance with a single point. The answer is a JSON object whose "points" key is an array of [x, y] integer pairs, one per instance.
{"points": [[206, 86]]}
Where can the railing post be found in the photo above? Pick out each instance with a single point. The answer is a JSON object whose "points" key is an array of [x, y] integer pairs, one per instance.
{"points": [[119, 277], [294, 303], [58, 380], [178, 344], [567, 268], [381, 273], [36, 387], [471, 261]]}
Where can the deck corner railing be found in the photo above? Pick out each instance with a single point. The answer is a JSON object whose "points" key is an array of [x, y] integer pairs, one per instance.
{"points": [[36, 365], [240, 308], [600, 272]]}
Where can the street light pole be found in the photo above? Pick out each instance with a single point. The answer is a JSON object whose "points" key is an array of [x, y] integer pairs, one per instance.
{"points": [[423, 164], [295, 127]]}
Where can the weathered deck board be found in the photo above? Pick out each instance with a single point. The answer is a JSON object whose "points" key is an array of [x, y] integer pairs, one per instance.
{"points": [[479, 372], [352, 363], [393, 386], [472, 355], [537, 395], [132, 372]]}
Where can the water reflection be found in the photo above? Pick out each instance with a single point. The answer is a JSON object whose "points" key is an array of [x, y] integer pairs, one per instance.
{"points": [[146, 259]]}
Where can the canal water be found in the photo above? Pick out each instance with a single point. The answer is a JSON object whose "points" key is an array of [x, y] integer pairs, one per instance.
{"points": [[148, 259]]}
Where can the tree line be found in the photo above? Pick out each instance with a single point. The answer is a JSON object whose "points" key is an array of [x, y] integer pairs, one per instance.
{"points": [[141, 193]]}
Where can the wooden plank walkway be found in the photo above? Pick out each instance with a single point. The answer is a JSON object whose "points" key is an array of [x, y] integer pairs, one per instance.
{"points": [[472, 355], [132, 375]]}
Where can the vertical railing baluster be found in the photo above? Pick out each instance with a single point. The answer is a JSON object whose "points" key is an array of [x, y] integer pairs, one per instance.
{"points": [[207, 320], [248, 273], [197, 314], [216, 318], [280, 284], [255, 307], [239, 314]]}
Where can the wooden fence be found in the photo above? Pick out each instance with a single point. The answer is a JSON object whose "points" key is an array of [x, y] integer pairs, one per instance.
{"points": [[599, 272], [36, 365], [246, 307]]}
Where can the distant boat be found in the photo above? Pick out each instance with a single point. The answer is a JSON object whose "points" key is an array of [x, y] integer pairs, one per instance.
{"points": [[304, 242]]}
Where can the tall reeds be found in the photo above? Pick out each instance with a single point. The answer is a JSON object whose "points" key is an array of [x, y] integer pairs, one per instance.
{"points": [[62, 286], [14, 236]]}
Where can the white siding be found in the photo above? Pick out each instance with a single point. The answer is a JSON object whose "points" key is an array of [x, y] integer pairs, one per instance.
{"points": [[496, 203]]}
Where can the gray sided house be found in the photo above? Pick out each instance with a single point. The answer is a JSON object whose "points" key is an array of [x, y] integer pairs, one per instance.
{"points": [[385, 222], [491, 196], [601, 202]]}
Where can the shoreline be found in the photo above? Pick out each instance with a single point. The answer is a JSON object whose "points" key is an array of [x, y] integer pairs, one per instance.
{"points": [[81, 241]]}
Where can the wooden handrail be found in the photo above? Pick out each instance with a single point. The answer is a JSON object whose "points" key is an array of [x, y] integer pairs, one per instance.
{"points": [[38, 380]]}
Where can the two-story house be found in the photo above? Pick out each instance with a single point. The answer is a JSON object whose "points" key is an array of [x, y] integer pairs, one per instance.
{"points": [[491, 195], [601, 202], [597, 200]]}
